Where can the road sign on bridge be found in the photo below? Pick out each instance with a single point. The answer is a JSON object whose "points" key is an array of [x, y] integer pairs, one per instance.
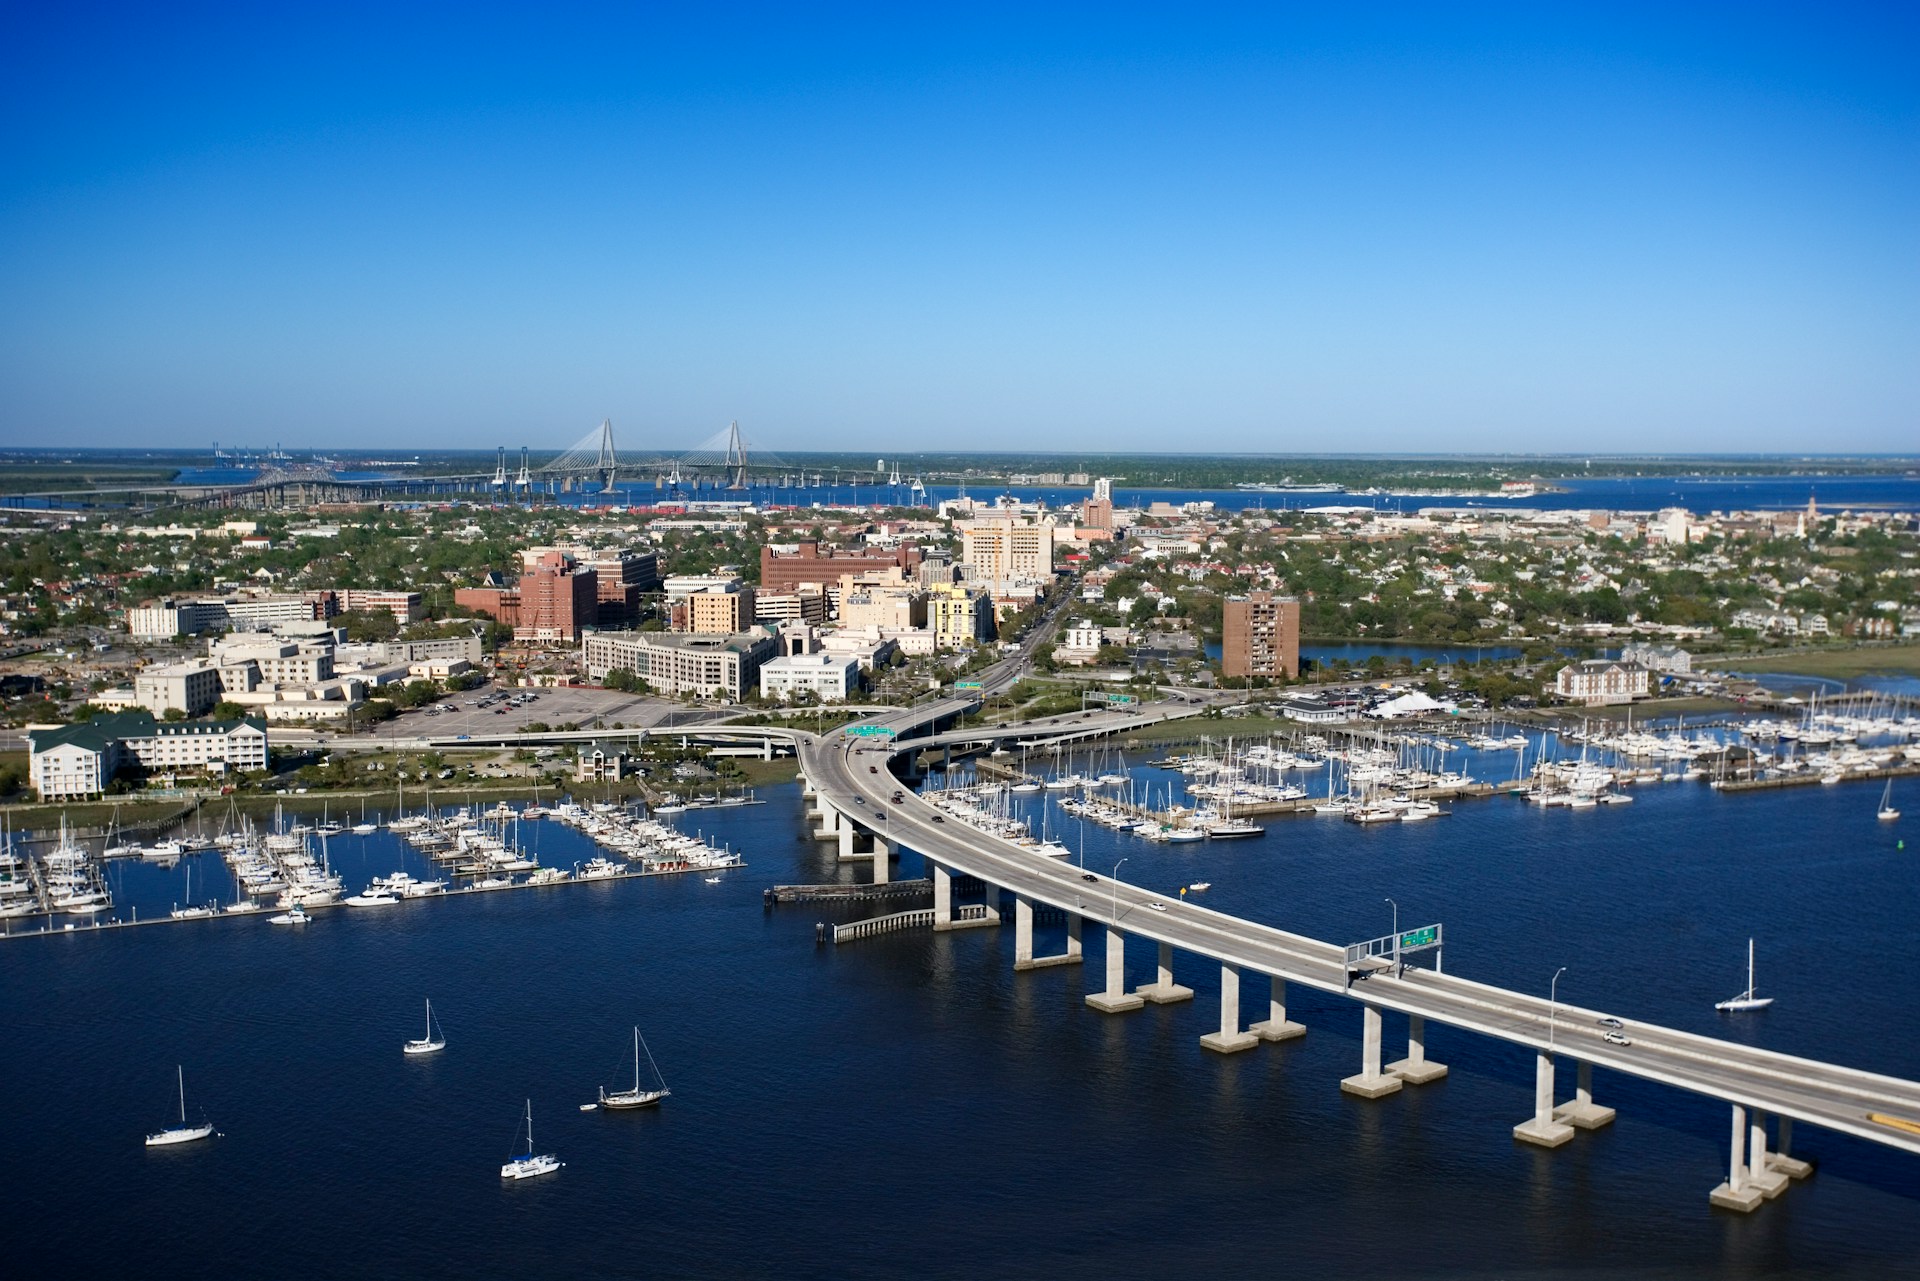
{"points": [[1391, 948], [870, 731]]}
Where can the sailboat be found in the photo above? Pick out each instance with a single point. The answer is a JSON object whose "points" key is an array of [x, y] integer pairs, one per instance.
{"points": [[364, 828], [182, 1133], [190, 912], [1746, 1000], [429, 1043], [1887, 813], [527, 1165], [636, 1097]]}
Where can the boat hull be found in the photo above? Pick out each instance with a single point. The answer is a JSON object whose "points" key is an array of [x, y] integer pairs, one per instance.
{"points": [[184, 1134]]}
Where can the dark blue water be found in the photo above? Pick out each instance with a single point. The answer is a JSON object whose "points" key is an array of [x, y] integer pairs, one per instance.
{"points": [[910, 1104], [1697, 494]]}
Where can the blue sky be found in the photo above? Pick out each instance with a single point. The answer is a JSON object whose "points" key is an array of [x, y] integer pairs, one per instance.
{"points": [[1533, 228]]}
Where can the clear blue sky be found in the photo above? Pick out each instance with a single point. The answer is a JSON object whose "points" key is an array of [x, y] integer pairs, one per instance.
{"points": [[1333, 227]]}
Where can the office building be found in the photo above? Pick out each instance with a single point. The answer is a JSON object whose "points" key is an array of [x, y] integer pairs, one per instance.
{"points": [[670, 663], [784, 571], [827, 677]]}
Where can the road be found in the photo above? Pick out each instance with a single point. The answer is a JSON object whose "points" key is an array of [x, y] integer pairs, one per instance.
{"points": [[842, 769]]}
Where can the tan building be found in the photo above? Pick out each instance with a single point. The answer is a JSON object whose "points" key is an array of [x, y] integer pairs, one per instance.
{"points": [[1007, 549], [720, 611], [959, 616], [1260, 636]]}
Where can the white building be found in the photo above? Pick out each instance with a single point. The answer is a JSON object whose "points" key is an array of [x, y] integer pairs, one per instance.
{"points": [[1658, 658], [192, 688], [828, 677], [680, 663], [77, 761], [1599, 681]]}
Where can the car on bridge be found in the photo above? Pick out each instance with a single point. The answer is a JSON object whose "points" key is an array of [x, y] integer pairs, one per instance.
{"points": [[1618, 1038], [1607, 1020]]}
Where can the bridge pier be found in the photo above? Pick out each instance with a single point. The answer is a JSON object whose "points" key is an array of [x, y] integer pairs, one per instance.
{"points": [[1275, 1026], [1542, 1129], [1583, 1113], [828, 828], [1115, 999], [1023, 957], [1371, 1082], [1779, 1159], [1163, 990], [1230, 1038], [1417, 1068], [944, 917], [1737, 1193], [1760, 1172]]}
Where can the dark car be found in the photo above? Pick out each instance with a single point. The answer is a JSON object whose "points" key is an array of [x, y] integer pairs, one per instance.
{"points": [[1088, 876], [859, 800], [899, 800], [879, 818], [939, 818], [873, 769]]}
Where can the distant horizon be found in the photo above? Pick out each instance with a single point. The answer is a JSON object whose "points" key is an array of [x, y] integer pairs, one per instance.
{"points": [[1607, 230]]}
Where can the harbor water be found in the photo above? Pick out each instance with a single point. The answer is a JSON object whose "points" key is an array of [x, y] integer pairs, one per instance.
{"points": [[908, 1103]]}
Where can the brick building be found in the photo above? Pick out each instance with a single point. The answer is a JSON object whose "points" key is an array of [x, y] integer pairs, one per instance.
{"points": [[1260, 635], [782, 572]]}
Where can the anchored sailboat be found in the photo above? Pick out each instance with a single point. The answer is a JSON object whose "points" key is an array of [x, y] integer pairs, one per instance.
{"points": [[637, 1097], [182, 1133], [527, 1165], [429, 1043], [1746, 1000], [1887, 813]]}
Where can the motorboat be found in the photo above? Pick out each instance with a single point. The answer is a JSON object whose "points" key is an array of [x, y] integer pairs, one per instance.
{"points": [[373, 896], [296, 915], [181, 1133], [599, 868]]}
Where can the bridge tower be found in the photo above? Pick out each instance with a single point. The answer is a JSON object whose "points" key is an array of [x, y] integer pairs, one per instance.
{"points": [[736, 460], [524, 481], [893, 477], [608, 464], [500, 469]]}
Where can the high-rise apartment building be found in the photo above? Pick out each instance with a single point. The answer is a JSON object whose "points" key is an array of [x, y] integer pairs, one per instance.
{"points": [[1260, 635]]}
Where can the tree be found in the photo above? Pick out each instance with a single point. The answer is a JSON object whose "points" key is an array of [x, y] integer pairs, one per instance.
{"points": [[174, 714], [227, 710]]}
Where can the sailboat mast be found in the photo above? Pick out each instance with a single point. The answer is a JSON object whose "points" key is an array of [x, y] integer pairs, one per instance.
{"points": [[1749, 967], [181, 1071], [636, 1058]]}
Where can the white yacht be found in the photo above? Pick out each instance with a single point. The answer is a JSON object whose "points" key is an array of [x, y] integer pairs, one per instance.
{"points": [[373, 896], [182, 1133], [430, 1043], [636, 1097], [529, 1165], [296, 915]]}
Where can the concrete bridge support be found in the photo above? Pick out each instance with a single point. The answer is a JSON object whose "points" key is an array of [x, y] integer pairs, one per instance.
{"points": [[1115, 999], [1230, 1038], [1417, 1068], [1583, 1113], [1542, 1129], [1371, 1082], [1163, 990], [1275, 1026], [1781, 1159], [1737, 1193], [829, 821], [1760, 1171], [943, 915], [1023, 957]]}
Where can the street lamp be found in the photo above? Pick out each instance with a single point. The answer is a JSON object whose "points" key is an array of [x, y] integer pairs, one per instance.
{"points": [[1114, 911], [1396, 935], [1552, 993]]}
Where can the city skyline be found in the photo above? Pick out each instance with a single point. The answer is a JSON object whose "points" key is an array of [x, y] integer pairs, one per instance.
{"points": [[1492, 233]]}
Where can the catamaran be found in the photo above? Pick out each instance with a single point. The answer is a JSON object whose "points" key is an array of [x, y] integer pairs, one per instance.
{"points": [[527, 1165], [1746, 1000], [429, 1043], [182, 1133], [637, 1097]]}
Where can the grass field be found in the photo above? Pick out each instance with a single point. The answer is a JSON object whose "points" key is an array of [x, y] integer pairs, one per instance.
{"points": [[1837, 664]]}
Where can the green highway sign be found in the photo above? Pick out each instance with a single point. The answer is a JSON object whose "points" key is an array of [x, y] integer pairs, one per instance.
{"points": [[870, 731], [966, 684], [1420, 938]]}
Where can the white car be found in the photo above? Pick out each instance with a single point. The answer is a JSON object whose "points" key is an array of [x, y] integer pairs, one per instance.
{"points": [[1618, 1038], [1157, 906]]}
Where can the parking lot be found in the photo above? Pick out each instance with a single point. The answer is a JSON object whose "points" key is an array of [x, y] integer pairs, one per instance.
{"points": [[461, 713]]}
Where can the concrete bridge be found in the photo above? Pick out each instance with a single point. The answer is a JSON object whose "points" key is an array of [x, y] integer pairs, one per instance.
{"points": [[858, 801]]}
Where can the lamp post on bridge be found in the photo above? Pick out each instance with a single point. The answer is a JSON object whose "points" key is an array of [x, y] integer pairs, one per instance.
{"points": [[1396, 937], [1114, 889], [1553, 990]]}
